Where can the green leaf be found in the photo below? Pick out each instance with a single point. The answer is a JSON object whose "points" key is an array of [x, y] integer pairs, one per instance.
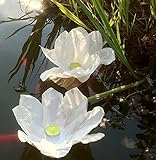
{"points": [[70, 15]]}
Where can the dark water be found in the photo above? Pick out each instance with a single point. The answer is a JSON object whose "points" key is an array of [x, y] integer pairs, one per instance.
{"points": [[122, 141]]}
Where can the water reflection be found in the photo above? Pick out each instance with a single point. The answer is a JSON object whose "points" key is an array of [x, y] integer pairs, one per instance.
{"points": [[49, 21], [78, 152]]}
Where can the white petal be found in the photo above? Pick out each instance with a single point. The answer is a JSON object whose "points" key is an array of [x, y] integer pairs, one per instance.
{"points": [[22, 136], [107, 56], [92, 63], [95, 39], [32, 141], [74, 97], [57, 57], [92, 120], [92, 138], [83, 124], [74, 104], [34, 107], [61, 54], [56, 72], [55, 151], [89, 67], [83, 73], [53, 73], [44, 50], [76, 45], [29, 122], [51, 100], [82, 30], [60, 41], [29, 114]]}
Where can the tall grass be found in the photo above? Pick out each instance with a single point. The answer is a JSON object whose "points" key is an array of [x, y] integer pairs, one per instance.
{"points": [[74, 5], [120, 14], [153, 8], [123, 6], [70, 15], [105, 29]]}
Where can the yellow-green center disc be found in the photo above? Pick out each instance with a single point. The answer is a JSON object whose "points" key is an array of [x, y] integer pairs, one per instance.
{"points": [[53, 130], [74, 65]]}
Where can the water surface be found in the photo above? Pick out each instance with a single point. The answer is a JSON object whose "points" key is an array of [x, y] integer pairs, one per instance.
{"points": [[118, 144]]}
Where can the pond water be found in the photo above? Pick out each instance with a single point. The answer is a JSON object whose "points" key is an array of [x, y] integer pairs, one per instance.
{"points": [[124, 138]]}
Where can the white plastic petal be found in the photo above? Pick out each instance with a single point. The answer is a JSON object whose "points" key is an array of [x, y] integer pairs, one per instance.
{"points": [[92, 120], [82, 30], [51, 100], [53, 150], [51, 73], [89, 67], [22, 136], [107, 56], [33, 105], [74, 97], [92, 138], [57, 57], [33, 129], [44, 50], [76, 45], [83, 124], [92, 63], [30, 108], [60, 41], [74, 104], [95, 39], [81, 74]]}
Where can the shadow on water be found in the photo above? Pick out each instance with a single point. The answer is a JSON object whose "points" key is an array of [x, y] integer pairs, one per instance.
{"points": [[78, 152]]}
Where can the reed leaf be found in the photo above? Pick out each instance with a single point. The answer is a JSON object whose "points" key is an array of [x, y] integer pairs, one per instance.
{"points": [[70, 15], [153, 8], [105, 29], [114, 90]]}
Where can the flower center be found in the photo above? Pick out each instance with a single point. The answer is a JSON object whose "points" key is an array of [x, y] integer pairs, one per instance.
{"points": [[74, 65], [53, 130]]}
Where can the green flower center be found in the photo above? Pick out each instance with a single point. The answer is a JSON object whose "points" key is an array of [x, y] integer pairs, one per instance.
{"points": [[74, 65], [53, 130]]}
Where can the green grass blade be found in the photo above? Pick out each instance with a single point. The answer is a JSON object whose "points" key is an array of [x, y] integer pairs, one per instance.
{"points": [[114, 90], [119, 50], [70, 15], [105, 22], [97, 24]]}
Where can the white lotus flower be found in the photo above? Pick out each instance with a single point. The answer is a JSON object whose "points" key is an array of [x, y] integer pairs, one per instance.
{"points": [[57, 123], [77, 54]]}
